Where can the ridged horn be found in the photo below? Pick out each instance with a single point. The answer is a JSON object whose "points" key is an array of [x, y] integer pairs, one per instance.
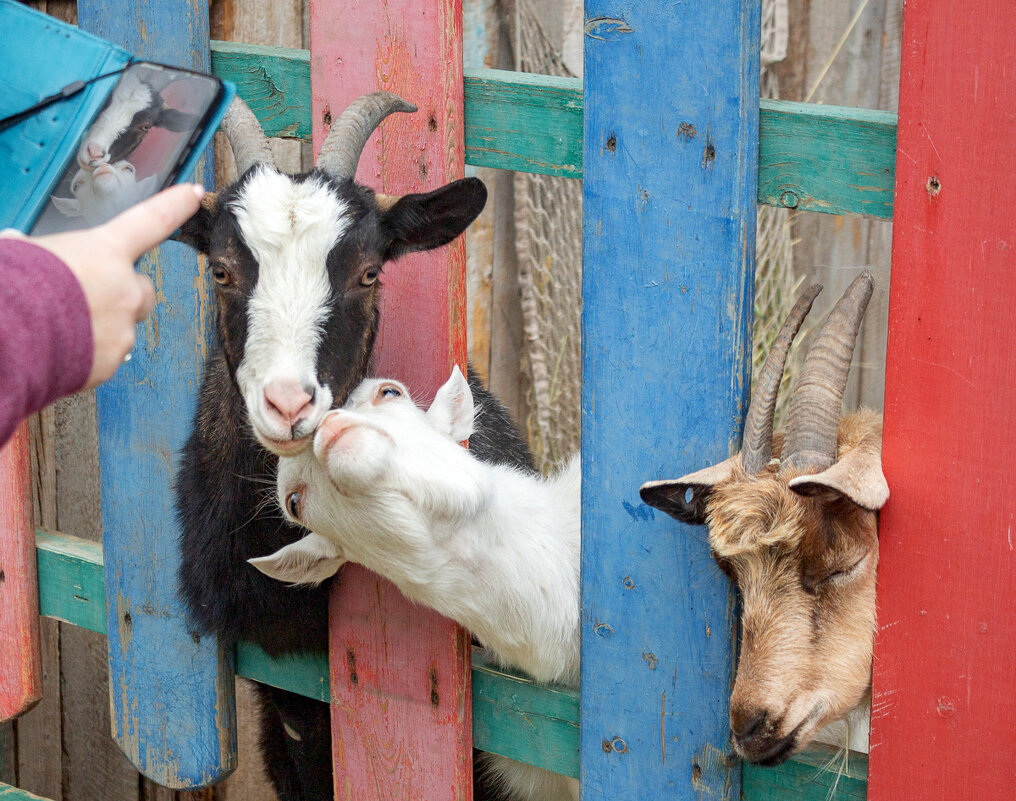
{"points": [[757, 442], [246, 138], [810, 443], [340, 152]]}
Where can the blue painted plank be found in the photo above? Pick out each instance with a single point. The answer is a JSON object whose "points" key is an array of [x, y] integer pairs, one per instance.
{"points": [[172, 701], [670, 159]]}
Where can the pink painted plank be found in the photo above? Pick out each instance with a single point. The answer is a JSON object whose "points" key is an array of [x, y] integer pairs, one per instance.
{"points": [[401, 714], [20, 655], [944, 705]]}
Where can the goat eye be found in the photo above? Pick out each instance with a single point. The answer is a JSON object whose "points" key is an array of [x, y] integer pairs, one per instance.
{"points": [[388, 391], [293, 501], [369, 276], [221, 275]]}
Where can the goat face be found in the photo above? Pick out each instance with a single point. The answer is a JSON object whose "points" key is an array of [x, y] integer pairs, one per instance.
{"points": [[388, 466], [101, 194], [296, 262], [798, 535]]}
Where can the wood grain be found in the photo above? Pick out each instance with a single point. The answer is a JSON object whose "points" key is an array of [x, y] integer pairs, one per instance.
{"points": [[20, 657], [946, 641], [670, 177], [171, 693]]}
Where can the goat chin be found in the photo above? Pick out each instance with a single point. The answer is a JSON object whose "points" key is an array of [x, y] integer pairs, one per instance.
{"points": [[850, 731]]}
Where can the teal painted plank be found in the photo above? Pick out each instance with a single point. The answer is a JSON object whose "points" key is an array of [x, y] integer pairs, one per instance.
{"points": [[820, 774], [171, 702], [512, 715], [670, 178], [273, 81], [827, 159], [8, 793]]}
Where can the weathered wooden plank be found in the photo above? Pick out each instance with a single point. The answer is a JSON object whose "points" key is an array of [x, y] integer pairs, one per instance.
{"points": [[8, 793], [817, 775], [401, 717], [946, 639], [826, 159], [171, 694], [671, 141], [20, 656]]}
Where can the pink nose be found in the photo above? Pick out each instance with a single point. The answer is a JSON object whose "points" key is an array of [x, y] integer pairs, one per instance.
{"points": [[287, 401], [95, 151], [333, 426]]}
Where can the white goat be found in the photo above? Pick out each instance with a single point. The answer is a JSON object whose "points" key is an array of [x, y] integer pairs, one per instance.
{"points": [[388, 486], [102, 193]]}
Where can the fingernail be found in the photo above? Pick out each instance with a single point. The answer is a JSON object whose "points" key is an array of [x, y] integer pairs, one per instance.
{"points": [[199, 190]]}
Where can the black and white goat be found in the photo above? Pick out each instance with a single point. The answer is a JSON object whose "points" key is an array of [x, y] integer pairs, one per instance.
{"points": [[295, 261], [496, 549], [133, 109]]}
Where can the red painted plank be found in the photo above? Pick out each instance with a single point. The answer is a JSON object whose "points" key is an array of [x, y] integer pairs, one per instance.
{"points": [[944, 707], [20, 657], [402, 728]]}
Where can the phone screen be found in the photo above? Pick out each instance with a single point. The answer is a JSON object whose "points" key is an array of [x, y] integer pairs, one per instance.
{"points": [[133, 148]]}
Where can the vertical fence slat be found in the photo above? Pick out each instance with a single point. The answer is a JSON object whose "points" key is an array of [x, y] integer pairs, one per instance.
{"points": [[670, 181], [171, 694], [402, 728], [944, 707], [20, 657]]}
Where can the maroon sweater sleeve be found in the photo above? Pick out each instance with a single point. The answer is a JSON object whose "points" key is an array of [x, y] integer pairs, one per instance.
{"points": [[45, 332]]}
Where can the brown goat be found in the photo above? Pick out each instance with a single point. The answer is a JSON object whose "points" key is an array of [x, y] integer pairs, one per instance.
{"points": [[793, 521]]}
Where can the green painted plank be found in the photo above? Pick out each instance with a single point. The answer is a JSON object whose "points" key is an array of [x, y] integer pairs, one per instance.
{"points": [[827, 159], [525, 122], [273, 81], [512, 715], [8, 793], [819, 774]]}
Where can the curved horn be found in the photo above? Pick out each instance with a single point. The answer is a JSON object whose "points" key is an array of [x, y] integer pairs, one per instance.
{"points": [[246, 138], [815, 410], [340, 152], [757, 442]]}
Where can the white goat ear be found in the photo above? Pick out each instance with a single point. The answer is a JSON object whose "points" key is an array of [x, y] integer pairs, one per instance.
{"points": [[309, 560], [69, 207], [451, 412], [685, 498], [857, 475]]}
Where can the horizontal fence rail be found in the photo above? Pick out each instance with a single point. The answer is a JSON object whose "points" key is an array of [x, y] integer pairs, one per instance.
{"points": [[827, 159], [512, 715]]}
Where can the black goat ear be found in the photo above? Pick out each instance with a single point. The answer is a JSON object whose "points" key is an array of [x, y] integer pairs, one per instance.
{"points": [[430, 220], [173, 120], [687, 498], [197, 231]]}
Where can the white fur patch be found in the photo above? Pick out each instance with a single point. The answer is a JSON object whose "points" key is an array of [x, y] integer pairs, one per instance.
{"points": [[128, 98], [290, 228]]}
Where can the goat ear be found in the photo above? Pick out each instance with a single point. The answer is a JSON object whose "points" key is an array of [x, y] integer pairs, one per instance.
{"points": [[197, 231], [452, 411], [173, 120], [686, 498], [428, 221], [309, 560], [69, 207], [857, 475]]}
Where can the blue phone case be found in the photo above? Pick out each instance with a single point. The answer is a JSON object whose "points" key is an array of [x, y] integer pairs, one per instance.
{"points": [[41, 59]]}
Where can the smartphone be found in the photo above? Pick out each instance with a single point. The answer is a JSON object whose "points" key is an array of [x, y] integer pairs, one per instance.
{"points": [[151, 128]]}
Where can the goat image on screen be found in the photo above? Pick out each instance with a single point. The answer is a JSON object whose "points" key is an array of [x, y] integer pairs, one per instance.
{"points": [[793, 521], [296, 266], [131, 149], [495, 548]]}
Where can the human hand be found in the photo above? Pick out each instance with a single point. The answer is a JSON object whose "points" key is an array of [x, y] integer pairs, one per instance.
{"points": [[102, 259]]}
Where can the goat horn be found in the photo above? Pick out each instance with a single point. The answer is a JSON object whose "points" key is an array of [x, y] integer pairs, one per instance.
{"points": [[340, 152], [246, 138], [757, 442], [814, 422]]}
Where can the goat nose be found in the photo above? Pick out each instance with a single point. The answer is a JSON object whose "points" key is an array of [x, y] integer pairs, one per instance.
{"points": [[746, 723], [289, 400], [331, 428], [95, 151]]}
